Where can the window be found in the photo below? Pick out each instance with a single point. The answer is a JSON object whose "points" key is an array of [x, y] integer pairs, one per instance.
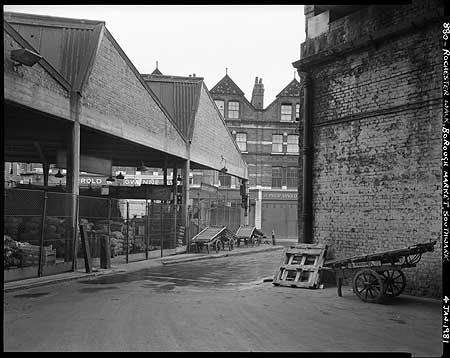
{"points": [[221, 105], [277, 143], [225, 180], [276, 177], [286, 112], [233, 109], [292, 143], [292, 177], [241, 140], [297, 112]]}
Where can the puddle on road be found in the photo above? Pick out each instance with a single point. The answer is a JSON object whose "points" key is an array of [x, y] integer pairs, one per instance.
{"points": [[210, 275], [33, 295], [160, 287]]}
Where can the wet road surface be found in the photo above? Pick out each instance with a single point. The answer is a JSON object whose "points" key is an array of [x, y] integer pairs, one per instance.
{"points": [[213, 305]]}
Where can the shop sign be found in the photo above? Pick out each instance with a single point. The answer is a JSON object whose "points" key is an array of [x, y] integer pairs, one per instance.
{"points": [[93, 181], [279, 195]]}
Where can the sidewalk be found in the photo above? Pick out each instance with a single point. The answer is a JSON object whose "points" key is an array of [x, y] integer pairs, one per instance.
{"points": [[154, 260]]}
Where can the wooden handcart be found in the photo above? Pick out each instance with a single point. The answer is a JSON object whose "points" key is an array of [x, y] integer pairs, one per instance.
{"points": [[249, 234], [380, 274], [215, 237]]}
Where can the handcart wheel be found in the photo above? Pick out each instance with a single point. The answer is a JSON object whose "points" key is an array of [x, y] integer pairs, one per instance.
{"points": [[368, 285], [394, 282]]}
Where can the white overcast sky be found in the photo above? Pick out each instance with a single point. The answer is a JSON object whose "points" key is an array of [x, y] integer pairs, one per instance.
{"points": [[251, 40]]}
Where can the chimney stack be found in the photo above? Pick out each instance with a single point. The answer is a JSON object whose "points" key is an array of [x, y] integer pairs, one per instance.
{"points": [[258, 94]]}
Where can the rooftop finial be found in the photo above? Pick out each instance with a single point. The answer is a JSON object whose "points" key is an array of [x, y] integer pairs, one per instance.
{"points": [[156, 64], [226, 70]]}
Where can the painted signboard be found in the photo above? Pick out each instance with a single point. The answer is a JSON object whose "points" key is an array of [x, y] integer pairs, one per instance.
{"points": [[101, 180], [279, 195]]}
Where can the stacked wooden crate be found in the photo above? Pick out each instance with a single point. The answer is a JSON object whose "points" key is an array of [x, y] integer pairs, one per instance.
{"points": [[30, 255]]}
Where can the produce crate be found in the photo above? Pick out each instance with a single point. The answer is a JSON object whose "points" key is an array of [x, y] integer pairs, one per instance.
{"points": [[29, 256]]}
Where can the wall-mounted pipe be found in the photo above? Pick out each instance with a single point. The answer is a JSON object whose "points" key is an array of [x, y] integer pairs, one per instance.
{"points": [[307, 155]]}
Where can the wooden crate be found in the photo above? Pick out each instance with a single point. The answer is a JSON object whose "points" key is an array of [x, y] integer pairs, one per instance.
{"points": [[30, 256]]}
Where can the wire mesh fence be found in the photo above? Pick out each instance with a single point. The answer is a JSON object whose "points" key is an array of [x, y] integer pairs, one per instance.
{"points": [[38, 233], [214, 212], [40, 228]]}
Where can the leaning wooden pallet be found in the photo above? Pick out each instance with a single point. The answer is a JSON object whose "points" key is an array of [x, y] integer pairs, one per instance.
{"points": [[300, 266]]}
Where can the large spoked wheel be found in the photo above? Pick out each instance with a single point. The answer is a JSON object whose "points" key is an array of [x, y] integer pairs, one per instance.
{"points": [[368, 285], [394, 282]]}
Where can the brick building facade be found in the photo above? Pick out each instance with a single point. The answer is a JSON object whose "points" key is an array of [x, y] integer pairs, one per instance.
{"points": [[268, 140], [373, 158]]}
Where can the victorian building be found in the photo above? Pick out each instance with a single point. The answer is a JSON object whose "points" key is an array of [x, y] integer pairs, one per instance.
{"points": [[268, 139]]}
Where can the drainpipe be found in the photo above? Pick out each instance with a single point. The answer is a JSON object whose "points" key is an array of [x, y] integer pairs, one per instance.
{"points": [[307, 153]]}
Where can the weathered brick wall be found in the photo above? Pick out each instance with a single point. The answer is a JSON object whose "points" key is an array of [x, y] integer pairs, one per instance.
{"points": [[211, 139], [370, 20], [377, 149], [116, 101]]}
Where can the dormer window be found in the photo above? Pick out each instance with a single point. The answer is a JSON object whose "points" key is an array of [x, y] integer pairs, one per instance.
{"points": [[233, 109], [286, 112], [221, 106]]}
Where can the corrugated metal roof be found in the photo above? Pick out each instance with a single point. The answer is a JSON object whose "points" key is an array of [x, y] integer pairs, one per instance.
{"points": [[67, 44], [179, 96]]}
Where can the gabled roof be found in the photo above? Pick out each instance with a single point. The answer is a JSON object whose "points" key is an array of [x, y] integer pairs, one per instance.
{"points": [[226, 86], [43, 62], [291, 90], [69, 45], [156, 72], [179, 96]]}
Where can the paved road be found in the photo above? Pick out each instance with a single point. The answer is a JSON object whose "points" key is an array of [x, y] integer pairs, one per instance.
{"points": [[213, 305]]}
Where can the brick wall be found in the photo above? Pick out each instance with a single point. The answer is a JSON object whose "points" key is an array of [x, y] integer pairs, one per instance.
{"points": [[377, 145], [211, 139], [259, 127], [114, 100]]}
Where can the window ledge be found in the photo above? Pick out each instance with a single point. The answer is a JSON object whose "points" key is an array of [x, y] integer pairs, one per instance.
{"points": [[277, 153]]}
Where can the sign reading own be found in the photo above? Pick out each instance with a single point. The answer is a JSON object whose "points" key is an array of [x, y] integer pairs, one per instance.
{"points": [[94, 181]]}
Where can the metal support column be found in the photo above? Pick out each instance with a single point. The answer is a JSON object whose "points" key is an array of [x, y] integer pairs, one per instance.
{"points": [[41, 243], [147, 227], [128, 231], [186, 169], [174, 191], [73, 169]]}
